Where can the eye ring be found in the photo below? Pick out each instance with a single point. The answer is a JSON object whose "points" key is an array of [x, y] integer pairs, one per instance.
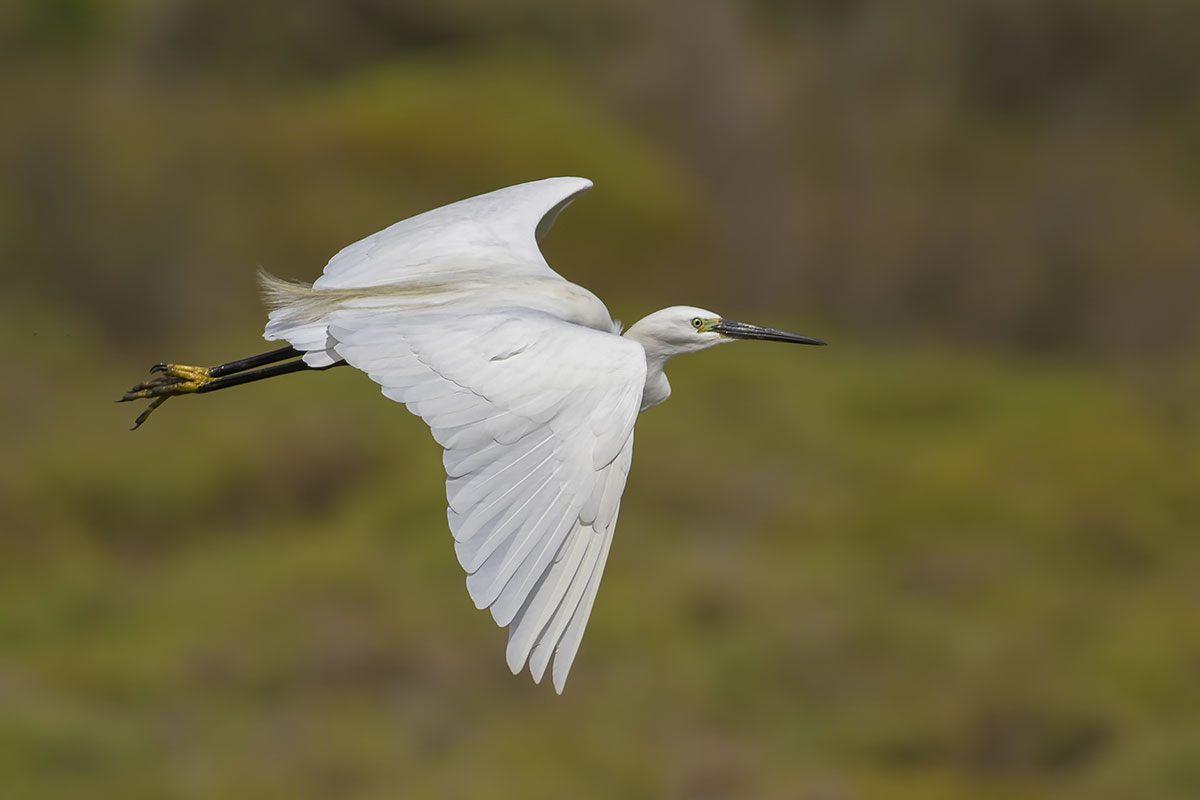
{"points": [[697, 323]]}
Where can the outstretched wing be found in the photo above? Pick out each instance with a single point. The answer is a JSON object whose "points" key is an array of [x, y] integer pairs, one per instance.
{"points": [[494, 232], [536, 416], [482, 252]]}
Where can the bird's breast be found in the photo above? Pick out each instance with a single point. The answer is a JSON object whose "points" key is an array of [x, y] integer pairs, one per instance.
{"points": [[657, 389]]}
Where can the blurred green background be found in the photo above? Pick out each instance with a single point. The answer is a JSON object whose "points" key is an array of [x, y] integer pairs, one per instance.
{"points": [[954, 555]]}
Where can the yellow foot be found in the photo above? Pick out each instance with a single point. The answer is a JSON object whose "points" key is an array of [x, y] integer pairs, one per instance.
{"points": [[172, 379]]}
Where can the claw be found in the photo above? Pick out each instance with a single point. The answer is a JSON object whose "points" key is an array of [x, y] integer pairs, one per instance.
{"points": [[174, 379]]}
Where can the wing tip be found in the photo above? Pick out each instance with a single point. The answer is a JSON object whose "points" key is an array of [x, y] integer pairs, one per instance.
{"points": [[581, 182]]}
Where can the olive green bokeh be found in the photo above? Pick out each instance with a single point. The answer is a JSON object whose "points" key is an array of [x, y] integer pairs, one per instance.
{"points": [[954, 554]]}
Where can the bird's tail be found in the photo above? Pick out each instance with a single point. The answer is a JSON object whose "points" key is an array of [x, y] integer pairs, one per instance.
{"points": [[297, 313], [278, 293]]}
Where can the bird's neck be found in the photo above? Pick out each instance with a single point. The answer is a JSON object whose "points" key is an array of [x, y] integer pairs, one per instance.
{"points": [[657, 387]]}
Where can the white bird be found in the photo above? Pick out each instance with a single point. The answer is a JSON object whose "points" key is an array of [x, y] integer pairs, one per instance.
{"points": [[523, 377]]}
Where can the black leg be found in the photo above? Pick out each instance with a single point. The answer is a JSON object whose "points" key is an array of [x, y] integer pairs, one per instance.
{"points": [[177, 379], [258, 374]]}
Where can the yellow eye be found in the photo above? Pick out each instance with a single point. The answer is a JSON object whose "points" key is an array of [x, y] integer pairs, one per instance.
{"points": [[697, 323]]}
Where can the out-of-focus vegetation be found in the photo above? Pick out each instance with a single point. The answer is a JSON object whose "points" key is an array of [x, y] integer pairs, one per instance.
{"points": [[953, 555]]}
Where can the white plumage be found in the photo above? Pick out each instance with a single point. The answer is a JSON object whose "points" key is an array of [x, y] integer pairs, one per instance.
{"points": [[536, 416], [522, 377]]}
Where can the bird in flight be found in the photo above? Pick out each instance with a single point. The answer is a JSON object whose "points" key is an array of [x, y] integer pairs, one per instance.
{"points": [[523, 377]]}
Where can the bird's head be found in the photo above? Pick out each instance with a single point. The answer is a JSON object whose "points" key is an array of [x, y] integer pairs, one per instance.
{"points": [[687, 329]]}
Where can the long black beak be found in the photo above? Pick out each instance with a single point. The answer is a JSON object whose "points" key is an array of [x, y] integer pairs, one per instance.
{"points": [[742, 330]]}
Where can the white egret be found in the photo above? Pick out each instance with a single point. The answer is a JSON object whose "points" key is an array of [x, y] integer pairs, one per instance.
{"points": [[523, 377]]}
